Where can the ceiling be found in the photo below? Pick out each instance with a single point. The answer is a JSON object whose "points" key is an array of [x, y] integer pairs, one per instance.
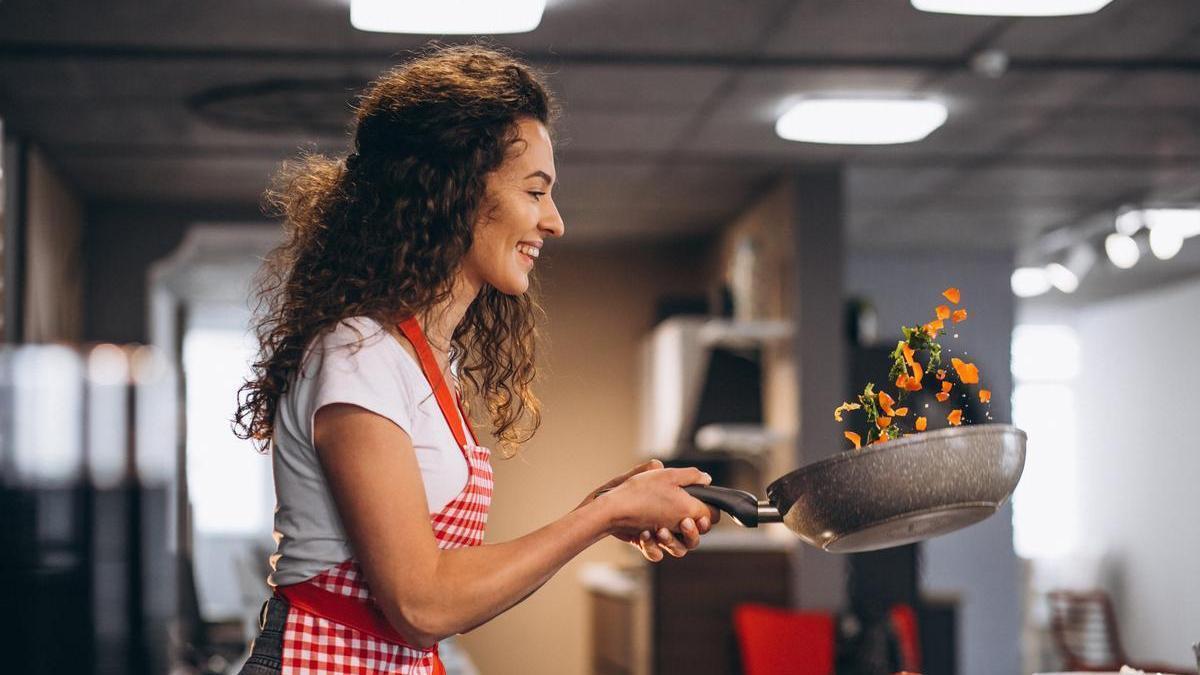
{"points": [[669, 106]]}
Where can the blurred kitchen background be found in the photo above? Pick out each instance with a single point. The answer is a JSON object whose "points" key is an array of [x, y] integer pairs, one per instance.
{"points": [[719, 291]]}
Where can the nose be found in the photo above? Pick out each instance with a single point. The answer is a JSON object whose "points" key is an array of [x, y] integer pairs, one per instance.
{"points": [[551, 224]]}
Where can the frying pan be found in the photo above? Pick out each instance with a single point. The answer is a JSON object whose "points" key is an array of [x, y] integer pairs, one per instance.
{"points": [[895, 493]]}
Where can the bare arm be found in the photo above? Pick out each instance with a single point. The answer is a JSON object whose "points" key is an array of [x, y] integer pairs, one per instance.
{"points": [[427, 593]]}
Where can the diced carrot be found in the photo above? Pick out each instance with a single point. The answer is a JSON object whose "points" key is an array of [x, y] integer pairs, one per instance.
{"points": [[952, 294], [883, 422], [985, 396], [837, 413], [885, 402], [943, 312], [918, 372], [853, 438], [921, 423], [955, 417], [942, 396], [941, 373], [967, 372], [881, 440], [947, 386], [908, 353], [901, 412], [959, 315]]}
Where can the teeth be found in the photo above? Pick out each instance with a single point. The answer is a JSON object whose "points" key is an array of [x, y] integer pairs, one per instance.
{"points": [[531, 251]]}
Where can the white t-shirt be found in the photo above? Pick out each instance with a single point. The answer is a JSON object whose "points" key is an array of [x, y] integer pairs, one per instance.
{"points": [[359, 363]]}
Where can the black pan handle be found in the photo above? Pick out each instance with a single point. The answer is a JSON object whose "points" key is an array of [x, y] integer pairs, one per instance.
{"points": [[743, 506]]}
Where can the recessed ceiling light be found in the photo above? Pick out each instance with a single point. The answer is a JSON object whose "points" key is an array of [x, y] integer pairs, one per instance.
{"points": [[1011, 7], [1062, 278], [447, 17], [860, 121], [1122, 250]]}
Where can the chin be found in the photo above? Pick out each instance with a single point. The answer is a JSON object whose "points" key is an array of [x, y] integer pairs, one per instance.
{"points": [[512, 286]]}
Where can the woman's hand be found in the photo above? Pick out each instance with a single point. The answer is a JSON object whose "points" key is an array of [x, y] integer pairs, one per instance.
{"points": [[675, 520]]}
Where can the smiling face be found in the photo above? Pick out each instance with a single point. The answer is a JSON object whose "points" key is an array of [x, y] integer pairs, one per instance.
{"points": [[518, 214]]}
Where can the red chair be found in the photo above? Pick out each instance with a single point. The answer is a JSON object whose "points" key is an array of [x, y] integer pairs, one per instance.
{"points": [[904, 626], [777, 641]]}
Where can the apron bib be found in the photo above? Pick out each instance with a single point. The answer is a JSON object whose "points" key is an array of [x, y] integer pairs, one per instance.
{"points": [[333, 626]]}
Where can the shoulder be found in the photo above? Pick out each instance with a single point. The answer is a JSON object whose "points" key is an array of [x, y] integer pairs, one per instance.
{"points": [[355, 331], [357, 344]]}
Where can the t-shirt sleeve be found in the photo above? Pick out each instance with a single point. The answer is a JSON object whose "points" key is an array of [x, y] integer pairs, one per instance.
{"points": [[357, 363]]}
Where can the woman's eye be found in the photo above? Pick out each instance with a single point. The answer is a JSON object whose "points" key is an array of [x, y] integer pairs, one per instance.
{"points": [[537, 196]]}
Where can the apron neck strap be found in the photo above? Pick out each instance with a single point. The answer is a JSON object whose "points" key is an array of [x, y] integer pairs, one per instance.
{"points": [[433, 373]]}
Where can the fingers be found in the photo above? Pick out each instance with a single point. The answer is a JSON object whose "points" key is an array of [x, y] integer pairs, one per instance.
{"points": [[688, 476], [668, 542], [651, 465], [650, 549], [690, 532]]}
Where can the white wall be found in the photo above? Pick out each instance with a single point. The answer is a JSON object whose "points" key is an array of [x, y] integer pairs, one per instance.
{"points": [[1139, 473], [977, 564]]}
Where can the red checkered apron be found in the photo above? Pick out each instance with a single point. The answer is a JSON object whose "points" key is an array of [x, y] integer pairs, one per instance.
{"points": [[333, 626]]}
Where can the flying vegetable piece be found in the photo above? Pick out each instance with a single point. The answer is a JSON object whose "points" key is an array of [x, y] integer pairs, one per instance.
{"points": [[967, 372], [932, 328], [942, 396], [883, 422], [941, 373], [985, 396], [900, 412], [943, 312], [959, 316], [947, 386], [853, 438], [881, 440], [908, 382], [885, 403], [845, 407], [955, 417], [921, 424], [951, 294]]}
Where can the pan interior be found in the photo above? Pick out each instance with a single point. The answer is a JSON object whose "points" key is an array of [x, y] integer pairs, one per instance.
{"points": [[909, 528]]}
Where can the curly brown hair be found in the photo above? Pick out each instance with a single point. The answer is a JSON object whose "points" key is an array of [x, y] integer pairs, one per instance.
{"points": [[383, 232]]}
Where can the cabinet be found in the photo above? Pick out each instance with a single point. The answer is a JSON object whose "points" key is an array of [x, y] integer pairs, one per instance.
{"points": [[676, 617]]}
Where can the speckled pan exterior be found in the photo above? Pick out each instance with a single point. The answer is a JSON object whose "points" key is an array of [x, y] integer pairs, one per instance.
{"points": [[906, 490]]}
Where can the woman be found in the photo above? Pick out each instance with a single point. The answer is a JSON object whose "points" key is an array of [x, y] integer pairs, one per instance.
{"points": [[405, 279]]}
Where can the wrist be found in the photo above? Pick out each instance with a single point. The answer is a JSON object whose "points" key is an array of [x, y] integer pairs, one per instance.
{"points": [[608, 511]]}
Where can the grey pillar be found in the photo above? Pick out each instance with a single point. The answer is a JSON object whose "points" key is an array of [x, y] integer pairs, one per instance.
{"points": [[820, 354]]}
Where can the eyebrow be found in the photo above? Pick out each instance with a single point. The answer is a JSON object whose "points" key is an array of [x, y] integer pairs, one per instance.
{"points": [[543, 175]]}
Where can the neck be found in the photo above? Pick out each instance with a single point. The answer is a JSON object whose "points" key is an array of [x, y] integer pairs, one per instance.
{"points": [[440, 322]]}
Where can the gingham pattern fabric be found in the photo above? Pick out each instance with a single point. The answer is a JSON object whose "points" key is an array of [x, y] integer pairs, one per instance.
{"points": [[313, 645]]}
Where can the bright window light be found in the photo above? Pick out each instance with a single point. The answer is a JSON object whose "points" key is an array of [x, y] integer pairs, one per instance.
{"points": [[861, 121], [1028, 282], [1122, 250], [447, 17], [1011, 7], [1045, 513], [228, 482]]}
